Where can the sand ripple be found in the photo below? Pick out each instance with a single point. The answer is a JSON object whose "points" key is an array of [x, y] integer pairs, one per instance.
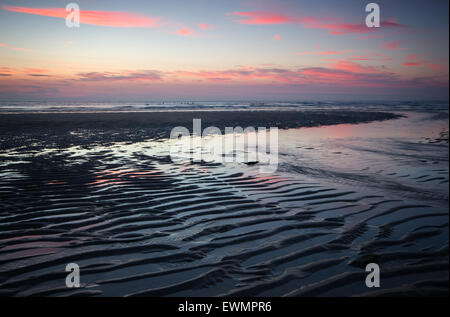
{"points": [[141, 225]]}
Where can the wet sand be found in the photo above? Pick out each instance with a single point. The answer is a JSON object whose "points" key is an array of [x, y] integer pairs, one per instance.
{"points": [[138, 126], [104, 194], [282, 119]]}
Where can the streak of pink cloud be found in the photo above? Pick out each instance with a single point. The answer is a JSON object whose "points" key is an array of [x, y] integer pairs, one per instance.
{"points": [[16, 48], [359, 58], [332, 25], [413, 61], [393, 45], [148, 75], [409, 64], [354, 67], [100, 18], [205, 26], [336, 27], [7, 71], [184, 32], [391, 23], [35, 70], [325, 52], [262, 17]]}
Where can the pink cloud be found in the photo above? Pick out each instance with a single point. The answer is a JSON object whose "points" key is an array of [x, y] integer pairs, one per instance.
{"points": [[277, 37], [341, 73], [336, 27], [359, 58], [354, 67], [36, 70], [148, 75], [184, 32], [241, 74], [434, 66], [341, 77], [391, 23], [332, 25], [262, 17], [409, 64], [16, 48], [393, 45], [100, 18], [205, 26], [325, 52], [413, 61], [7, 71]]}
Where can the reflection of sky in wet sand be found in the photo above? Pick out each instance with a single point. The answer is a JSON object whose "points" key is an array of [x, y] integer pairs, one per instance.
{"points": [[387, 153]]}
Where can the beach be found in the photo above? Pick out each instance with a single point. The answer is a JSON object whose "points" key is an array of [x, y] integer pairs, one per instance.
{"points": [[139, 126], [100, 189]]}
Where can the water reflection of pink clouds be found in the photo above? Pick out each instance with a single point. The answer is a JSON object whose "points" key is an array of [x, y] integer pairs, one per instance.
{"points": [[406, 127], [341, 130]]}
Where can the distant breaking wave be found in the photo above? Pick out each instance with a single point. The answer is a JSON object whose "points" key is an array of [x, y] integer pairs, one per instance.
{"points": [[40, 106]]}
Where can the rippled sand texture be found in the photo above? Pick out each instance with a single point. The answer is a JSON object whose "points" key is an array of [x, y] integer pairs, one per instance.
{"points": [[138, 224]]}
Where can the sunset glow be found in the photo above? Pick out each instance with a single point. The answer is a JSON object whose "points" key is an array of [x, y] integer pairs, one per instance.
{"points": [[222, 50]]}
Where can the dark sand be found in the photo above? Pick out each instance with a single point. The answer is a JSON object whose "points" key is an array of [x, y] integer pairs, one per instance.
{"points": [[138, 126], [281, 119]]}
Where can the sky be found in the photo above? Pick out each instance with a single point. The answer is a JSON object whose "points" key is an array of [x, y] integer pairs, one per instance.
{"points": [[223, 50]]}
